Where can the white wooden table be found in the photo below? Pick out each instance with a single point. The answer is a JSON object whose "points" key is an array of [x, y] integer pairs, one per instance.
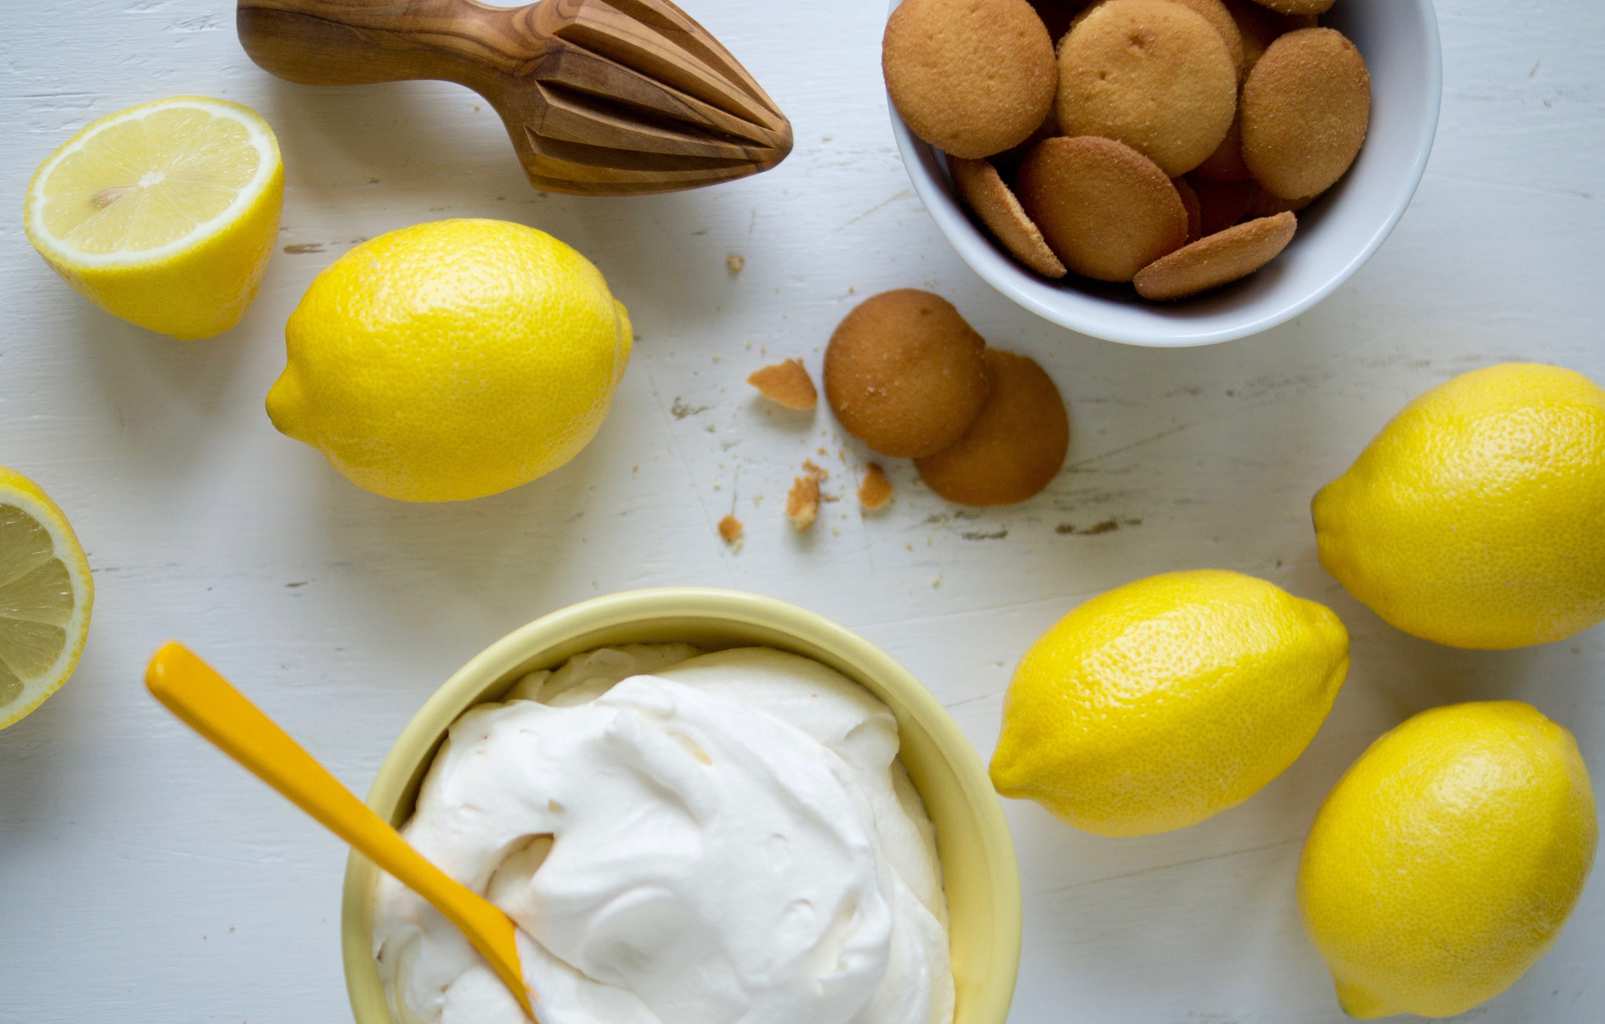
{"points": [[144, 879]]}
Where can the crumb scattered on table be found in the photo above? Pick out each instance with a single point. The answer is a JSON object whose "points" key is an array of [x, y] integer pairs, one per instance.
{"points": [[802, 504], [787, 384], [681, 409], [815, 470], [731, 531], [735, 263], [875, 491], [1072, 530]]}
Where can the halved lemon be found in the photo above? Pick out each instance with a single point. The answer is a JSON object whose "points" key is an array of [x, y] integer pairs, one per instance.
{"points": [[163, 214], [45, 597]]}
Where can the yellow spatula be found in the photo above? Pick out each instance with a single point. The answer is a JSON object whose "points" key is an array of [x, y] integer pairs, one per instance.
{"points": [[207, 703]]}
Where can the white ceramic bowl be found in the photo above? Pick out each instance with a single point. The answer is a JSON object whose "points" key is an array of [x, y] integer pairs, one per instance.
{"points": [[1336, 234]]}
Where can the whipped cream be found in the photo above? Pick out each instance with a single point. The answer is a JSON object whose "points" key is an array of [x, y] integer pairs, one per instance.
{"points": [[682, 838]]}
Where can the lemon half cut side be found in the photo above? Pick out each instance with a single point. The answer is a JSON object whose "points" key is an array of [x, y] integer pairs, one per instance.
{"points": [[46, 594], [164, 214]]}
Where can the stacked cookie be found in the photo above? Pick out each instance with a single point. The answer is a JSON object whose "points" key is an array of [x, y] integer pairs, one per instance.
{"points": [[910, 378], [1165, 143]]}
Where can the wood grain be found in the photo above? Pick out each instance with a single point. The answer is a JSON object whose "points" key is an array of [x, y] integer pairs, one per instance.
{"points": [[599, 97]]}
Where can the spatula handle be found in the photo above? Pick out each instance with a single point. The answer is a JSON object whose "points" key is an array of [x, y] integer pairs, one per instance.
{"points": [[209, 704], [356, 42]]}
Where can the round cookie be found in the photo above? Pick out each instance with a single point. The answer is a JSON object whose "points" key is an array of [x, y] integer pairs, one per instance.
{"points": [[971, 77], [1008, 161], [1153, 74], [1226, 163], [1298, 7], [1106, 210], [1015, 447], [1214, 12], [905, 374], [1195, 209], [1216, 259], [1223, 203], [1260, 26], [1305, 111], [985, 192], [1221, 20]]}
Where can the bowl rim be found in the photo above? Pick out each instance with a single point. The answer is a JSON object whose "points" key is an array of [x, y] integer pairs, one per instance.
{"points": [[473, 682], [951, 220]]}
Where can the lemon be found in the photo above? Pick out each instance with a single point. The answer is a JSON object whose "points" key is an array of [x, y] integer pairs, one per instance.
{"points": [[45, 596], [1477, 517], [163, 214], [1166, 701], [452, 360], [1447, 858]]}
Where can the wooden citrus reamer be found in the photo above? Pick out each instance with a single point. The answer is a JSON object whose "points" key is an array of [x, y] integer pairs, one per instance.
{"points": [[606, 97]]}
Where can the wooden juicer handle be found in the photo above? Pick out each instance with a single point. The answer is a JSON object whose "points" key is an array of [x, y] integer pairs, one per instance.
{"points": [[360, 42]]}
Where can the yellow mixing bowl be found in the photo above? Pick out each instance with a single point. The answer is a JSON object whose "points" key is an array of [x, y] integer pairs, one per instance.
{"points": [[979, 871]]}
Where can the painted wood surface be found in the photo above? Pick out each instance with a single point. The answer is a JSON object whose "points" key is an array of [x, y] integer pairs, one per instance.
{"points": [[146, 879]]}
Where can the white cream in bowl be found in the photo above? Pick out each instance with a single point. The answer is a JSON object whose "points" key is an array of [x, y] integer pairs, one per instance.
{"points": [[682, 838]]}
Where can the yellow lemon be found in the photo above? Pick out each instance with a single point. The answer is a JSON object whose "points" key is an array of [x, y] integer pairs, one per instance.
{"points": [[1166, 701], [163, 214], [452, 360], [1445, 861], [45, 597], [1477, 517]]}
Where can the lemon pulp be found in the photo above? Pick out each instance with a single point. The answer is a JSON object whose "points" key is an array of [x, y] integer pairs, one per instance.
{"points": [[130, 189], [45, 597], [163, 214]]}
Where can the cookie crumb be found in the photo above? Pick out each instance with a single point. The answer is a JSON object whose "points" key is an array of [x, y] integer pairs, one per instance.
{"points": [[802, 504], [681, 409], [731, 531], [735, 263], [787, 384], [815, 470], [875, 491]]}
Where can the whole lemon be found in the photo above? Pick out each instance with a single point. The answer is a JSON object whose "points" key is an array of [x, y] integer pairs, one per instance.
{"points": [[1445, 861], [1477, 517], [1166, 701], [452, 360]]}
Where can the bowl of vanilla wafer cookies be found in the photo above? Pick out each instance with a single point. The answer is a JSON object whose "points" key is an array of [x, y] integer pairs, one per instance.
{"points": [[1164, 173]]}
